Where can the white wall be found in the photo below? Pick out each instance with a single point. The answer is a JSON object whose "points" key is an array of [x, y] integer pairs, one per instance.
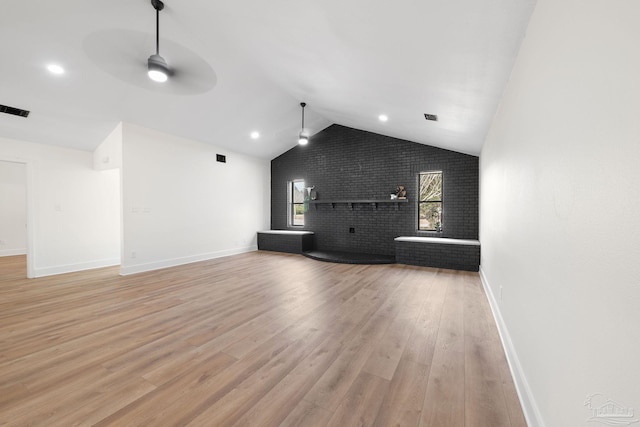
{"points": [[13, 208], [560, 210], [108, 155], [181, 206], [73, 210]]}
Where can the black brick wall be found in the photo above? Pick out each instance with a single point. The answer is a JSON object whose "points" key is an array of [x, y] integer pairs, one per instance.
{"points": [[345, 163], [440, 255]]}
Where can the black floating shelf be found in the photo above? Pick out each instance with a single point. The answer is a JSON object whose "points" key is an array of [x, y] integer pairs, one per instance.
{"points": [[374, 202]]}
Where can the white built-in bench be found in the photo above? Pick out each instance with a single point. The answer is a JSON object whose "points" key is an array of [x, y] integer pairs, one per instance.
{"points": [[291, 241], [440, 252]]}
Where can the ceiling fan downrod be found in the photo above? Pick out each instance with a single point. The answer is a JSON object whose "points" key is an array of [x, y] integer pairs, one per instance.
{"points": [[158, 70], [158, 5]]}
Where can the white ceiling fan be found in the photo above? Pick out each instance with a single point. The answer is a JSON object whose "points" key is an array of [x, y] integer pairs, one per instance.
{"points": [[120, 53]]}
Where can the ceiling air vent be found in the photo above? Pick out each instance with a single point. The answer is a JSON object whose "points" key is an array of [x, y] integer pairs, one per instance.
{"points": [[431, 117], [14, 111]]}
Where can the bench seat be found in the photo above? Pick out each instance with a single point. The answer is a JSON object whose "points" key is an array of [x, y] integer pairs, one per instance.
{"points": [[439, 252], [290, 241]]}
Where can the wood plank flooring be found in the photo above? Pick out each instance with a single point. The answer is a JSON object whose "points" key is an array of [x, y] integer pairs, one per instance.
{"points": [[258, 339]]}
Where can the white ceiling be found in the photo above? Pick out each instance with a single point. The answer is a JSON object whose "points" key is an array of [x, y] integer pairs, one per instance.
{"points": [[245, 65]]}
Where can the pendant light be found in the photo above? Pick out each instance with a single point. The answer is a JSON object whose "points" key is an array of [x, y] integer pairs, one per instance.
{"points": [[302, 138], [157, 66]]}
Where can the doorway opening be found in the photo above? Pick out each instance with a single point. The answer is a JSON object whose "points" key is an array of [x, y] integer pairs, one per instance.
{"points": [[14, 223]]}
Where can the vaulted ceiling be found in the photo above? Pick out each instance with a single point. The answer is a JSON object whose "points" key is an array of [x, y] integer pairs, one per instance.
{"points": [[245, 65]]}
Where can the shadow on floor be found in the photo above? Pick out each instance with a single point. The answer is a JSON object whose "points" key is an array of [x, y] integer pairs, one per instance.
{"points": [[350, 257]]}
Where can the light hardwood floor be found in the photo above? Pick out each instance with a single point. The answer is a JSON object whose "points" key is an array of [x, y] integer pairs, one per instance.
{"points": [[259, 339]]}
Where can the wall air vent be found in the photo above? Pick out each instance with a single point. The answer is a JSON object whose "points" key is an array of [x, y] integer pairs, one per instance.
{"points": [[431, 117], [221, 158], [14, 111]]}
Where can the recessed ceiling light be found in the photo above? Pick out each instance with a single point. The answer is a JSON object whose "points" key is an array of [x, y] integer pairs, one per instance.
{"points": [[55, 69], [383, 117], [255, 135]]}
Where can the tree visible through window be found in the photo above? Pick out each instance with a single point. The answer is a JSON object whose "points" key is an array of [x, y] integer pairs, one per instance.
{"points": [[430, 201], [296, 202]]}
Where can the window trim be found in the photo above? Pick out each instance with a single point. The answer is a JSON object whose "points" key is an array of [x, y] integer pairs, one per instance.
{"points": [[441, 201], [291, 204]]}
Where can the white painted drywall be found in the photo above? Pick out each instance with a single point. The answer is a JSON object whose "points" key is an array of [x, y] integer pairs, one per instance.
{"points": [[560, 210], [13, 208], [108, 155], [181, 206], [73, 210]]}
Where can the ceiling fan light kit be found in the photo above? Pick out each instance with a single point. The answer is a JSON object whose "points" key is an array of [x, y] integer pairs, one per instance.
{"points": [[158, 70], [302, 138]]}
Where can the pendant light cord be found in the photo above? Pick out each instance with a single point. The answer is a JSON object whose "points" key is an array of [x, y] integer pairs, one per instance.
{"points": [[302, 104]]}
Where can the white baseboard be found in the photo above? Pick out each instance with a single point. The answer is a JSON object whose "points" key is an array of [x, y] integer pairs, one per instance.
{"points": [[70, 268], [13, 252], [157, 265], [527, 400]]}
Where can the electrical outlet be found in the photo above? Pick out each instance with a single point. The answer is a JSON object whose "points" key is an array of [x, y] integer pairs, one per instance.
{"points": [[134, 254], [352, 230]]}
